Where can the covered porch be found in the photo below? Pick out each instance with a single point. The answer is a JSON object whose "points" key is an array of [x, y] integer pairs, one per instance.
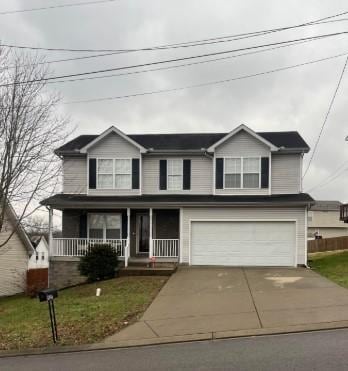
{"points": [[136, 234]]}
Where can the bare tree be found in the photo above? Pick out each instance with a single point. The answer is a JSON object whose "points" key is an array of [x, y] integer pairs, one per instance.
{"points": [[30, 130], [37, 225]]}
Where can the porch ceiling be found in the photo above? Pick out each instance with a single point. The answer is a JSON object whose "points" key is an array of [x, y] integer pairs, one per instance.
{"points": [[68, 201]]}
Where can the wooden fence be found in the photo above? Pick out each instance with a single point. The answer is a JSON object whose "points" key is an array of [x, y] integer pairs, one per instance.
{"points": [[37, 279], [328, 244]]}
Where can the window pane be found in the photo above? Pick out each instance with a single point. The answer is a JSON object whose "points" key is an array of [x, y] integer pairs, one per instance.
{"points": [[123, 166], [174, 166], [113, 221], [251, 181], [174, 182], [95, 233], [105, 166], [113, 233], [96, 225], [96, 221], [232, 165], [123, 181], [251, 165], [105, 181], [232, 180]]}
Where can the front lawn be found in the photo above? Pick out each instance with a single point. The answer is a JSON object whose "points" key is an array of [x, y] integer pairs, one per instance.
{"points": [[81, 316], [332, 265]]}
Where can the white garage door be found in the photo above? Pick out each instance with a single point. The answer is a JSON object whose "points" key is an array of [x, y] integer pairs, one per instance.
{"points": [[247, 243]]}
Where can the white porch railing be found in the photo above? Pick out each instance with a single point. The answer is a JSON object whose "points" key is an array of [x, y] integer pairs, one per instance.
{"points": [[80, 246], [162, 248], [165, 248]]}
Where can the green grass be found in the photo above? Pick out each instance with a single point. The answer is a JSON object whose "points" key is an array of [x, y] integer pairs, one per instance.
{"points": [[332, 266], [81, 316]]}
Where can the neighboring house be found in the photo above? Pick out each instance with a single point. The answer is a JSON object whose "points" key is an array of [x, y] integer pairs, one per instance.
{"points": [[324, 220], [40, 257], [230, 199], [14, 256], [344, 213]]}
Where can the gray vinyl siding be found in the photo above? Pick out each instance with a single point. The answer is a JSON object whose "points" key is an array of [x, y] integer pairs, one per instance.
{"points": [[201, 175], [114, 146], [286, 173], [217, 213], [75, 175], [242, 145], [13, 263]]}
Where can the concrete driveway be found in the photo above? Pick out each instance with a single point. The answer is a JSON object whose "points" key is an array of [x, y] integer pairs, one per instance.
{"points": [[209, 300]]}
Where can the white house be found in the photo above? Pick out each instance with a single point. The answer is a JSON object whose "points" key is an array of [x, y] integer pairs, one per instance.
{"points": [[40, 257]]}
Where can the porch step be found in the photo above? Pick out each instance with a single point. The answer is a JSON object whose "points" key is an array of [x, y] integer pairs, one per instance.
{"points": [[146, 262], [147, 271]]}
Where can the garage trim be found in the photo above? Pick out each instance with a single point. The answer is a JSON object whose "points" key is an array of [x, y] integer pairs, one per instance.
{"points": [[244, 220]]}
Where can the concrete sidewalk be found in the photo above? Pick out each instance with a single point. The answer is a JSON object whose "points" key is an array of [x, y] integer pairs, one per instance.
{"points": [[203, 303]]}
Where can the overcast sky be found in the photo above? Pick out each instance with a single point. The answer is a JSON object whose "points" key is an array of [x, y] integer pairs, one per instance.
{"points": [[295, 99]]}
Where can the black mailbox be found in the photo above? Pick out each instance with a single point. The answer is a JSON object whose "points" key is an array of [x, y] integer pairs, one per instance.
{"points": [[48, 294]]}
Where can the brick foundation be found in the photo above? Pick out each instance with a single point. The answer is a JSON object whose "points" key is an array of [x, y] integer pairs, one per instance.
{"points": [[63, 272]]}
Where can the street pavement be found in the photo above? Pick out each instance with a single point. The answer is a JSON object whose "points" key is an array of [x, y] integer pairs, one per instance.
{"points": [[321, 350]]}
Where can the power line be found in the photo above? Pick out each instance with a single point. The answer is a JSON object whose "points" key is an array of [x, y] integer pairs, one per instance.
{"points": [[187, 43], [57, 6], [178, 65], [205, 84], [326, 117], [170, 60], [334, 175], [116, 53]]}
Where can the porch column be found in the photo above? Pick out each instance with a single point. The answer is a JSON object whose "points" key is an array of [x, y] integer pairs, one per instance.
{"points": [[50, 231], [127, 252], [150, 235]]}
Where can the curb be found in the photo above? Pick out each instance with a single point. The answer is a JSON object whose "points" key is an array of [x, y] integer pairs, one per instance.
{"points": [[209, 336]]}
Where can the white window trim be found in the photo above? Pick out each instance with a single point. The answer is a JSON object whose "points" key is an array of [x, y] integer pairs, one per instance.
{"points": [[242, 172], [182, 175], [104, 227], [113, 173]]}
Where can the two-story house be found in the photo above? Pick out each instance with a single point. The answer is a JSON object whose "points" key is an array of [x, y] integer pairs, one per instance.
{"points": [[231, 199]]}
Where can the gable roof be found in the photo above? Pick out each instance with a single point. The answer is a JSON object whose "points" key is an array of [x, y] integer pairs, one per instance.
{"points": [[111, 129], [20, 230], [249, 131], [285, 140]]}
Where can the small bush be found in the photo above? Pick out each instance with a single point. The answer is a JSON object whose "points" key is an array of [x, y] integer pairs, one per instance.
{"points": [[99, 263]]}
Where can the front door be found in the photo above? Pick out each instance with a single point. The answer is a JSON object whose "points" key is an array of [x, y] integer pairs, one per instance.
{"points": [[142, 237]]}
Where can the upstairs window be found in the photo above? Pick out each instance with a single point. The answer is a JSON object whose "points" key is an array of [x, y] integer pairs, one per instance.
{"points": [[233, 173], [242, 172], [114, 174], [251, 172], [175, 174]]}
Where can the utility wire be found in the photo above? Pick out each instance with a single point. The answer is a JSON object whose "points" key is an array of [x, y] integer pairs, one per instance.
{"points": [[334, 175], [178, 65], [326, 117], [168, 60], [183, 44], [206, 83], [116, 53], [57, 6]]}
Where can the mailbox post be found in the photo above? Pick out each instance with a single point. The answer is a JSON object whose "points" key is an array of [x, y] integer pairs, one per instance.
{"points": [[49, 295]]}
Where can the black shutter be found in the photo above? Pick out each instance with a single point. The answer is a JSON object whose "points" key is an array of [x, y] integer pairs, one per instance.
{"points": [[219, 173], [163, 174], [135, 173], [92, 173], [124, 224], [187, 174], [264, 172], [83, 226]]}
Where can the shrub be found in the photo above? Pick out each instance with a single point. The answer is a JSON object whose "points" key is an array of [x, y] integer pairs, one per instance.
{"points": [[99, 263]]}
